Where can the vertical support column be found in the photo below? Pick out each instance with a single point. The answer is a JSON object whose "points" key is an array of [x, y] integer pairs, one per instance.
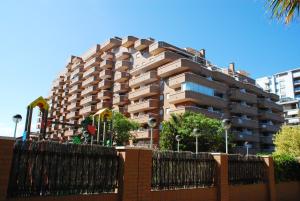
{"points": [[271, 177], [145, 175], [135, 175], [222, 176], [129, 173], [6, 156]]}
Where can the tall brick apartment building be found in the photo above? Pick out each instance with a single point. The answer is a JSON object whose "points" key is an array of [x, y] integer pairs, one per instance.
{"points": [[144, 78]]}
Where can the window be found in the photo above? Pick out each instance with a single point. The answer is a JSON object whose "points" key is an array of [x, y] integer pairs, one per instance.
{"points": [[161, 97], [190, 86]]}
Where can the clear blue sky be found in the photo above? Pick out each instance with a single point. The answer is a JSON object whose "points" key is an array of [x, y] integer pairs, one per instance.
{"points": [[37, 37]]}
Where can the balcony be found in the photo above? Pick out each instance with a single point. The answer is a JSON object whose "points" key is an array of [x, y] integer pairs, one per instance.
{"points": [[175, 82], [94, 62], [74, 106], [244, 136], [206, 112], [244, 123], [154, 62], [121, 109], [91, 52], [191, 96], [75, 89], [87, 110], [121, 76], [103, 104], [78, 71], [74, 97], [141, 44], [75, 80], [120, 87], [105, 84], [77, 64], [269, 128], [107, 56], [267, 139], [122, 55], [145, 134], [271, 116], [143, 79], [88, 100], [146, 105], [105, 74], [243, 109], [123, 65], [73, 115], [120, 100], [237, 94], [180, 66], [128, 41], [111, 43], [265, 103], [90, 81], [103, 95], [297, 82], [143, 118], [90, 90], [106, 64], [91, 71], [145, 91], [160, 46]]}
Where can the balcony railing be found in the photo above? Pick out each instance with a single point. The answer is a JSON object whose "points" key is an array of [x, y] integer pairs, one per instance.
{"points": [[142, 44], [90, 81], [206, 112], [105, 74], [103, 104], [90, 90], [143, 106], [106, 64], [121, 76], [75, 88], [94, 62], [73, 106], [120, 87], [106, 94], [107, 56], [91, 71], [143, 118], [91, 52], [128, 41], [154, 62], [145, 91], [236, 94], [74, 97], [122, 55], [105, 84], [247, 123], [88, 100], [123, 65], [120, 100], [87, 110], [111, 43], [144, 78]]}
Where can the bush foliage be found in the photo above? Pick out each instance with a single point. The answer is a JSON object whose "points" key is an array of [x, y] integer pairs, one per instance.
{"points": [[286, 167]]}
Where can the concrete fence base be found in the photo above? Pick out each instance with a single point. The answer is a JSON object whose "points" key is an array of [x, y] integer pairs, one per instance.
{"points": [[135, 182]]}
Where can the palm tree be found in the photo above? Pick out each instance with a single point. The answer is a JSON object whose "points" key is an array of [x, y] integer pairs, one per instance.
{"points": [[286, 9]]}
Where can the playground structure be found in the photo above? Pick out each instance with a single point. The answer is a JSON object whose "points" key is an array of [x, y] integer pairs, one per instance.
{"points": [[101, 121]]}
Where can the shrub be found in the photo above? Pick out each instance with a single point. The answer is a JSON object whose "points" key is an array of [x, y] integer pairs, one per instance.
{"points": [[286, 168]]}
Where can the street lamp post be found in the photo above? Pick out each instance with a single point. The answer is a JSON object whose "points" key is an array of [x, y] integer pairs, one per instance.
{"points": [[247, 148], [226, 124], [196, 133], [151, 123], [16, 118], [178, 138]]}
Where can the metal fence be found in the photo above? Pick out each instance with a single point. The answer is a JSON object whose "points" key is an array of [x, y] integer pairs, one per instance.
{"points": [[246, 170], [50, 168], [171, 170]]}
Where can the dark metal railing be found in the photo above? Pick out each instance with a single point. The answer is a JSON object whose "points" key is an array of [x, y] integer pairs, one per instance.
{"points": [[171, 170], [246, 170], [50, 168]]}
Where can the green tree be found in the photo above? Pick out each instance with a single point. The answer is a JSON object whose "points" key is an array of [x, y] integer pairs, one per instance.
{"points": [[287, 141], [284, 9], [211, 133], [122, 127]]}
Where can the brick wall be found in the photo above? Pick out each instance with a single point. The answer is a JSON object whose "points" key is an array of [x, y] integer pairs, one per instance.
{"points": [[135, 182]]}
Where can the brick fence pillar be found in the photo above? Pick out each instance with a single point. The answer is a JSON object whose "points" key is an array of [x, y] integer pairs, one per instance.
{"points": [[6, 155], [271, 178], [135, 180], [222, 176]]}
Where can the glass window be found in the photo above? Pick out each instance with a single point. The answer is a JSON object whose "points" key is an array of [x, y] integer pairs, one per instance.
{"points": [[190, 86]]}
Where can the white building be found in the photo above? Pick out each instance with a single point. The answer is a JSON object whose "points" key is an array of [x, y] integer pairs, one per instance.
{"points": [[287, 86]]}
